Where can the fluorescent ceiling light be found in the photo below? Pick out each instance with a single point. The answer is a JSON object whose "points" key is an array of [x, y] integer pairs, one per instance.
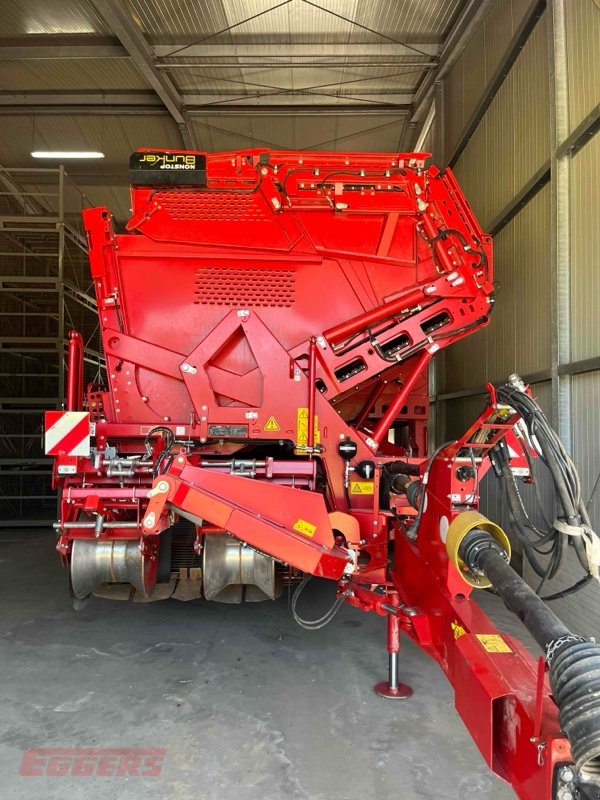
{"points": [[58, 154]]}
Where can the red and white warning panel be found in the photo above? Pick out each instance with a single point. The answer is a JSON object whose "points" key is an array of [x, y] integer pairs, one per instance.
{"points": [[67, 432]]}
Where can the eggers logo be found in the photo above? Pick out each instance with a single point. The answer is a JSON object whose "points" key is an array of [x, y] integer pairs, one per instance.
{"points": [[84, 762]]}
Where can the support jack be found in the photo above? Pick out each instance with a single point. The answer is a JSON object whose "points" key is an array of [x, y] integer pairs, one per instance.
{"points": [[392, 689]]}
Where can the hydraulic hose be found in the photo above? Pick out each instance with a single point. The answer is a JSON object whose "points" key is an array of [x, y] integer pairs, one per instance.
{"points": [[574, 662], [575, 682], [541, 622], [573, 521]]}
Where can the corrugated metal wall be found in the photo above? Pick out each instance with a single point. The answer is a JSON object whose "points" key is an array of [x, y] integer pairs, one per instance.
{"points": [[512, 143], [518, 336], [583, 44], [478, 63], [585, 247], [581, 611]]}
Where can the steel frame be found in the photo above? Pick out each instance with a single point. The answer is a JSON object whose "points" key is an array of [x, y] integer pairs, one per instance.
{"points": [[122, 25], [71, 47], [38, 229]]}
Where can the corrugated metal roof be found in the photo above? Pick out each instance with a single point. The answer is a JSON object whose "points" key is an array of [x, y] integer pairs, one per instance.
{"points": [[341, 78], [314, 131], [408, 20], [115, 136], [161, 19], [24, 17], [385, 74], [297, 21], [71, 75]]}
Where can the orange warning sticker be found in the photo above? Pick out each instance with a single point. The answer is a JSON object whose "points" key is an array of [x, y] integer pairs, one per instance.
{"points": [[271, 425]]}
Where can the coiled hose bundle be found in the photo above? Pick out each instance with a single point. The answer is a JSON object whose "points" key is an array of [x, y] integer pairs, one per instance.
{"points": [[572, 525]]}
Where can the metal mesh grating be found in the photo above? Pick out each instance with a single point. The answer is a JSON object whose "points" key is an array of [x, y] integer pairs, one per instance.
{"points": [[213, 206], [245, 287], [183, 554]]}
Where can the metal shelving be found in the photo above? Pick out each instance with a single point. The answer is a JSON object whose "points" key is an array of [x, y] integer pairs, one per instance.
{"points": [[44, 292]]}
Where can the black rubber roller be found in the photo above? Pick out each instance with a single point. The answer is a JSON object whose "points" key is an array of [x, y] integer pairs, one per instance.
{"points": [[575, 682]]}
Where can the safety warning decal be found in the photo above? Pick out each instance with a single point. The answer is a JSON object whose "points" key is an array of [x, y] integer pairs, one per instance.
{"points": [[67, 432], [302, 526], [362, 487], [457, 630], [493, 643], [302, 428], [271, 425]]}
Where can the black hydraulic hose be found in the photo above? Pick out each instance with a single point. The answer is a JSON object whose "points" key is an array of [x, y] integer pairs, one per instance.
{"points": [[574, 662], [541, 622], [401, 468], [518, 517], [390, 474], [567, 487]]}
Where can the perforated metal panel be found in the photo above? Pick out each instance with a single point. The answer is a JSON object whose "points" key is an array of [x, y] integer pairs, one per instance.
{"points": [[221, 206], [217, 286]]}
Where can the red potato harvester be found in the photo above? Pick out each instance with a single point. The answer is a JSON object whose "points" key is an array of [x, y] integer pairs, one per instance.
{"points": [[268, 320]]}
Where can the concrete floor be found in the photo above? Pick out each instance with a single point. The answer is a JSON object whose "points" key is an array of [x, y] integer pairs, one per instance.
{"points": [[247, 704]]}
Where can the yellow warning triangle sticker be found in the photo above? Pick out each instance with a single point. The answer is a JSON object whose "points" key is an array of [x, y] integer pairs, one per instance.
{"points": [[362, 487], [457, 630], [272, 425]]}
